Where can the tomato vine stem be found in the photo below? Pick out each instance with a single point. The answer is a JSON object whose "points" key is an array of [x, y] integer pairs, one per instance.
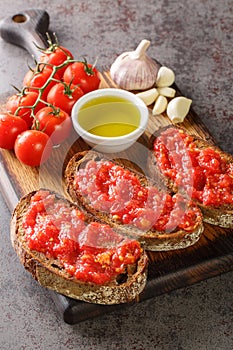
{"points": [[41, 89]]}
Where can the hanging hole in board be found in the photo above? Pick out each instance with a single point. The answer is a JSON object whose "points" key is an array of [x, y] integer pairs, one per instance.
{"points": [[19, 18]]}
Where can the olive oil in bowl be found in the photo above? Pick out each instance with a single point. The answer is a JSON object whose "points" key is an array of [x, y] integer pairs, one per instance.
{"points": [[110, 120], [109, 116]]}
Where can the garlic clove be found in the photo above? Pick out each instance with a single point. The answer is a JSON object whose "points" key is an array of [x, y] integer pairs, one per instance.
{"points": [[165, 77], [167, 91], [148, 96], [135, 70], [160, 105], [178, 108]]}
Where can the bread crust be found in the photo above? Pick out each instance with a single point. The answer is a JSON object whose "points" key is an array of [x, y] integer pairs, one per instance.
{"points": [[50, 274], [220, 215], [151, 240]]}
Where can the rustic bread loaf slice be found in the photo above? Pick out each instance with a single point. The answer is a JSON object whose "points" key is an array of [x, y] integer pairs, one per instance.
{"points": [[146, 226], [191, 165], [50, 271]]}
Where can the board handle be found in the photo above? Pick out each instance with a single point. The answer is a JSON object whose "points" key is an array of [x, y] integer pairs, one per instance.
{"points": [[26, 29]]}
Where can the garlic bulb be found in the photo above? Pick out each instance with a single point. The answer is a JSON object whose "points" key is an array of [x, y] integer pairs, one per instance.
{"points": [[135, 70]]}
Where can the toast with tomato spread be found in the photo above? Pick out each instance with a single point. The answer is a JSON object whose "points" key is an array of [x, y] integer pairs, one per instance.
{"points": [[67, 251], [127, 200], [192, 166]]}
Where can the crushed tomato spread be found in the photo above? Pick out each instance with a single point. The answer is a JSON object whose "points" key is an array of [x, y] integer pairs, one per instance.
{"points": [[202, 172], [113, 189], [90, 252]]}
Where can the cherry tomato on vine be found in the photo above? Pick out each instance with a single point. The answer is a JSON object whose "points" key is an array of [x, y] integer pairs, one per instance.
{"points": [[64, 96], [24, 101], [56, 55], [33, 147], [54, 122], [10, 127], [37, 78], [82, 74]]}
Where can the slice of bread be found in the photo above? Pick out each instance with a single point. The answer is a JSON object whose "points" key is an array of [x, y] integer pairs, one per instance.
{"points": [[203, 184], [151, 238], [51, 273]]}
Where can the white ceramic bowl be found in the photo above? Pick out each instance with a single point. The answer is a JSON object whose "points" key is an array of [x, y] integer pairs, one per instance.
{"points": [[109, 144]]}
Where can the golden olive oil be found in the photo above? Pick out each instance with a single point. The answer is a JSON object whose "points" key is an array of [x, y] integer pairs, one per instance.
{"points": [[109, 116]]}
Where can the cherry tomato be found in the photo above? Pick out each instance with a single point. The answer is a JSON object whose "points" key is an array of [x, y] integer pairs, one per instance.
{"points": [[54, 122], [33, 147], [10, 127], [27, 99], [64, 96], [56, 55], [37, 79], [83, 74]]}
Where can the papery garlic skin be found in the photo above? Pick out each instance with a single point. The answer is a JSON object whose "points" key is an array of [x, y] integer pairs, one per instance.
{"points": [[135, 70], [178, 108]]}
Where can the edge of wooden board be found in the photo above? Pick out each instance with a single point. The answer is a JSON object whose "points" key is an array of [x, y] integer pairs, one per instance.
{"points": [[74, 311]]}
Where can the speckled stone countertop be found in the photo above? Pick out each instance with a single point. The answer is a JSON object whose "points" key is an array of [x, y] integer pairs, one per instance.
{"points": [[195, 39]]}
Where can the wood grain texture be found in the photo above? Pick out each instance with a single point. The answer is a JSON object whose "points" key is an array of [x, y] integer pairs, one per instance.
{"points": [[210, 256]]}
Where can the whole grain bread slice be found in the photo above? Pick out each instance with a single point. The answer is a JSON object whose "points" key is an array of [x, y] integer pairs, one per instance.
{"points": [[51, 274], [221, 215], [151, 240]]}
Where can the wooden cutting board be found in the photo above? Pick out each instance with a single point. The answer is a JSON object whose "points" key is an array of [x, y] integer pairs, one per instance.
{"points": [[210, 256]]}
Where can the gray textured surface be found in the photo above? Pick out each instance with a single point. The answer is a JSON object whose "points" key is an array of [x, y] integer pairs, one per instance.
{"points": [[195, 39]]}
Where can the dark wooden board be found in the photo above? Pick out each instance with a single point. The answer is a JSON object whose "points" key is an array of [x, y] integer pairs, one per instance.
{"points": [[210, 256]]}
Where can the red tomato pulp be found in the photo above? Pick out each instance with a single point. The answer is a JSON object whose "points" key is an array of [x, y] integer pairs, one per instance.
{"points": [[113, 189], [90, 252], [202, 172]]}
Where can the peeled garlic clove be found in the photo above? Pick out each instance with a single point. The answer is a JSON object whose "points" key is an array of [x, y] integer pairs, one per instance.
{"points": [[160, 105], [148, 96], [167, 91], [135, 70], [165, 77], [178, 108]]}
